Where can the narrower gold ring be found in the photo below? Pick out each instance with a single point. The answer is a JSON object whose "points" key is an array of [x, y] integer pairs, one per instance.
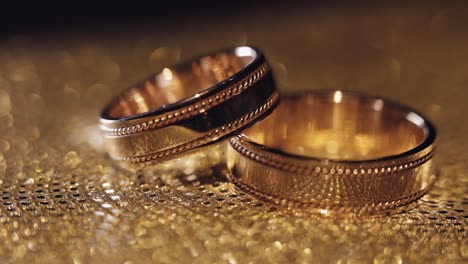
{"points": [[336, 151], [189, 106]]}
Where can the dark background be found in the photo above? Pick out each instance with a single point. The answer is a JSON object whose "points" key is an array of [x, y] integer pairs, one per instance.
{"points": [[24, 17]]}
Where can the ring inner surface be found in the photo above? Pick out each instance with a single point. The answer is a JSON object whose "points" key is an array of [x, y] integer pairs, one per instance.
{"points": [[339, 126], [173, 85]]}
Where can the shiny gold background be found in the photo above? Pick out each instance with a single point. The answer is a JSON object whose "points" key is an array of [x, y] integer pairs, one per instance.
{"points": [[63, 200]]}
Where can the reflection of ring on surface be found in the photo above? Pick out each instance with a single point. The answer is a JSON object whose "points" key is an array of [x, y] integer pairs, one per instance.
{"points": [[189, 106], [338, 151]]}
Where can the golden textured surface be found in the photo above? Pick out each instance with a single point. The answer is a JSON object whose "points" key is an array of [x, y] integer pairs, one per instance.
{"points": [[63, 200]]}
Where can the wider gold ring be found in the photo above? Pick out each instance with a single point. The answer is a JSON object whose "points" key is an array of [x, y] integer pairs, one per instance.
{"points": [[336, 151], [189, 106]]}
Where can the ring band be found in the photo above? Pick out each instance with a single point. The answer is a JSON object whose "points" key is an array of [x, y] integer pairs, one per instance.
{"points": [[336, 151], [189, 106]]}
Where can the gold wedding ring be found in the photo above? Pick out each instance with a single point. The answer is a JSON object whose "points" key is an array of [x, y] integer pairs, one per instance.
{"points": [[336, 151], [189, 106]]}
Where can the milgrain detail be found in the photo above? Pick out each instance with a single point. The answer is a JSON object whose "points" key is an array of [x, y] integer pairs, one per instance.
{"points": [[207, 137], [195, 108], [358, 208], [333, 168]]}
